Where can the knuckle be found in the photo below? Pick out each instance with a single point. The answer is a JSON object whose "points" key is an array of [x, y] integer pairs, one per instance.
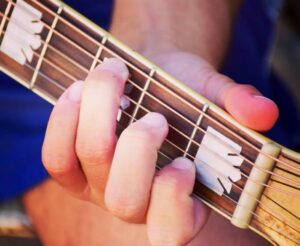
{"points": [[126, 209], [169, 182], [94, 155], [137, 135], [165, 237], [56, 163]]}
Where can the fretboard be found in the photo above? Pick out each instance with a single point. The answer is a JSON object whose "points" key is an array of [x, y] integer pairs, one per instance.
{"points": [[234, 164]]}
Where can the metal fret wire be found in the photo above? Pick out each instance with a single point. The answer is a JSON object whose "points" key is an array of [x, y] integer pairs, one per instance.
{"points": [[98, 54], [233, 183], [44, 49], [181, 133], [5, 15], [198, 123], [162, 103], [156, 82], [142, 95]]}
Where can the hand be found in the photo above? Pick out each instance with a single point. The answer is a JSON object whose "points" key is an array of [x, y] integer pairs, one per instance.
{"points": [[106, 172]]}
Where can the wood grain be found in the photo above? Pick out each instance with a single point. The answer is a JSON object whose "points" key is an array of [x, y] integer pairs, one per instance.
{"points": [[278, 215]]}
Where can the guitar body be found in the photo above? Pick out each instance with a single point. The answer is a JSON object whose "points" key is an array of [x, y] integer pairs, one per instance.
{"points": [[282, 206], [242, 175]]}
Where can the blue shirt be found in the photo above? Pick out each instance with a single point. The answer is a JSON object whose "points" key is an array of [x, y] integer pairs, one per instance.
{"points": [[23, 115]]}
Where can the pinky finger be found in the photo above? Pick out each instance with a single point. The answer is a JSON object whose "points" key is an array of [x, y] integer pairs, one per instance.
{"points": [[174, 217]]}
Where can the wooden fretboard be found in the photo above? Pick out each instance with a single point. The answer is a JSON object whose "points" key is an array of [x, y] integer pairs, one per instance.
{"points": [[71, 46]]}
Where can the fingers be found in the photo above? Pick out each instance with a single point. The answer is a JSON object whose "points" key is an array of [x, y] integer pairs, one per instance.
{"points": [[174, 217], [128, 189], [80, 138], [58, 151], [97, 122]]}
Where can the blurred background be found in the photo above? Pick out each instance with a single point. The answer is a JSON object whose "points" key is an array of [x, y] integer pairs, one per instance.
{"points": [[286, 55], [285, 61]]}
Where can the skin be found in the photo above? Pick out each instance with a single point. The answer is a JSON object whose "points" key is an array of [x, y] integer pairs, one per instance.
{"points": [[83, 155]]}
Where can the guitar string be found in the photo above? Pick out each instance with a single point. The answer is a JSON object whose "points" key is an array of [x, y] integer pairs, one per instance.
{"points": [[53, 14], [228, 197], [186, 137], [194, 142], [169, 158], [266, 208], [219, 156], [283, 163], [174, 111], [260, 204], [198, 145]]}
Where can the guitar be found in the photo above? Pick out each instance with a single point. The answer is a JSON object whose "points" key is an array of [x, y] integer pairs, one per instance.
{"points": [[244, 176]]}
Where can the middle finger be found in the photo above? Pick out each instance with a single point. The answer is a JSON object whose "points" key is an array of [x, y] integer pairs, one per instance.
{"points": [[97, 122]]}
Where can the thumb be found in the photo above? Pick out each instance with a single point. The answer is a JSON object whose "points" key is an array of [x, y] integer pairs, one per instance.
{"points": [[244, 102]]}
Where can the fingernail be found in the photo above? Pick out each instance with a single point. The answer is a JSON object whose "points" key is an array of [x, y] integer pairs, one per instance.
{"points": [[182, 164], [124, 102], [263, 98], [154, 120], [75, 91], [116, 66]]}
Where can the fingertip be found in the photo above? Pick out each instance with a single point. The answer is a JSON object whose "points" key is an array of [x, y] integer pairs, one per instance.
{"points": [[174, 217], [182, 163], [151, 128], [179, 175], [250, 108], [116, 66], [74, 92], [266, 109], [154, 119]]}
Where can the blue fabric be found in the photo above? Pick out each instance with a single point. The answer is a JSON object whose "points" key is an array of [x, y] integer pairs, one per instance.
{"points": [[248, 62], [23, 115]]}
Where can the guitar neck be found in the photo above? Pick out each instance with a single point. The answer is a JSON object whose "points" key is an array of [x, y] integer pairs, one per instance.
{"points": [[67, 47]]}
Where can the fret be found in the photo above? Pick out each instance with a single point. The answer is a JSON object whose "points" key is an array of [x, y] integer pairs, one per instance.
{"points": [[99, 52], [45, 47], [8, 8], [145, 88], [198, 123]]}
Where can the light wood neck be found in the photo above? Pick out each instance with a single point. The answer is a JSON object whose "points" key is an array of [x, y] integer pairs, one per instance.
{"points": [[71, 46]]}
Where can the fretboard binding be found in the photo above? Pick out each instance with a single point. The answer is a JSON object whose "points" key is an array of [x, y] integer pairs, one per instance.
{"points": [[195, 129], [144, 90], [45, 47]]}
